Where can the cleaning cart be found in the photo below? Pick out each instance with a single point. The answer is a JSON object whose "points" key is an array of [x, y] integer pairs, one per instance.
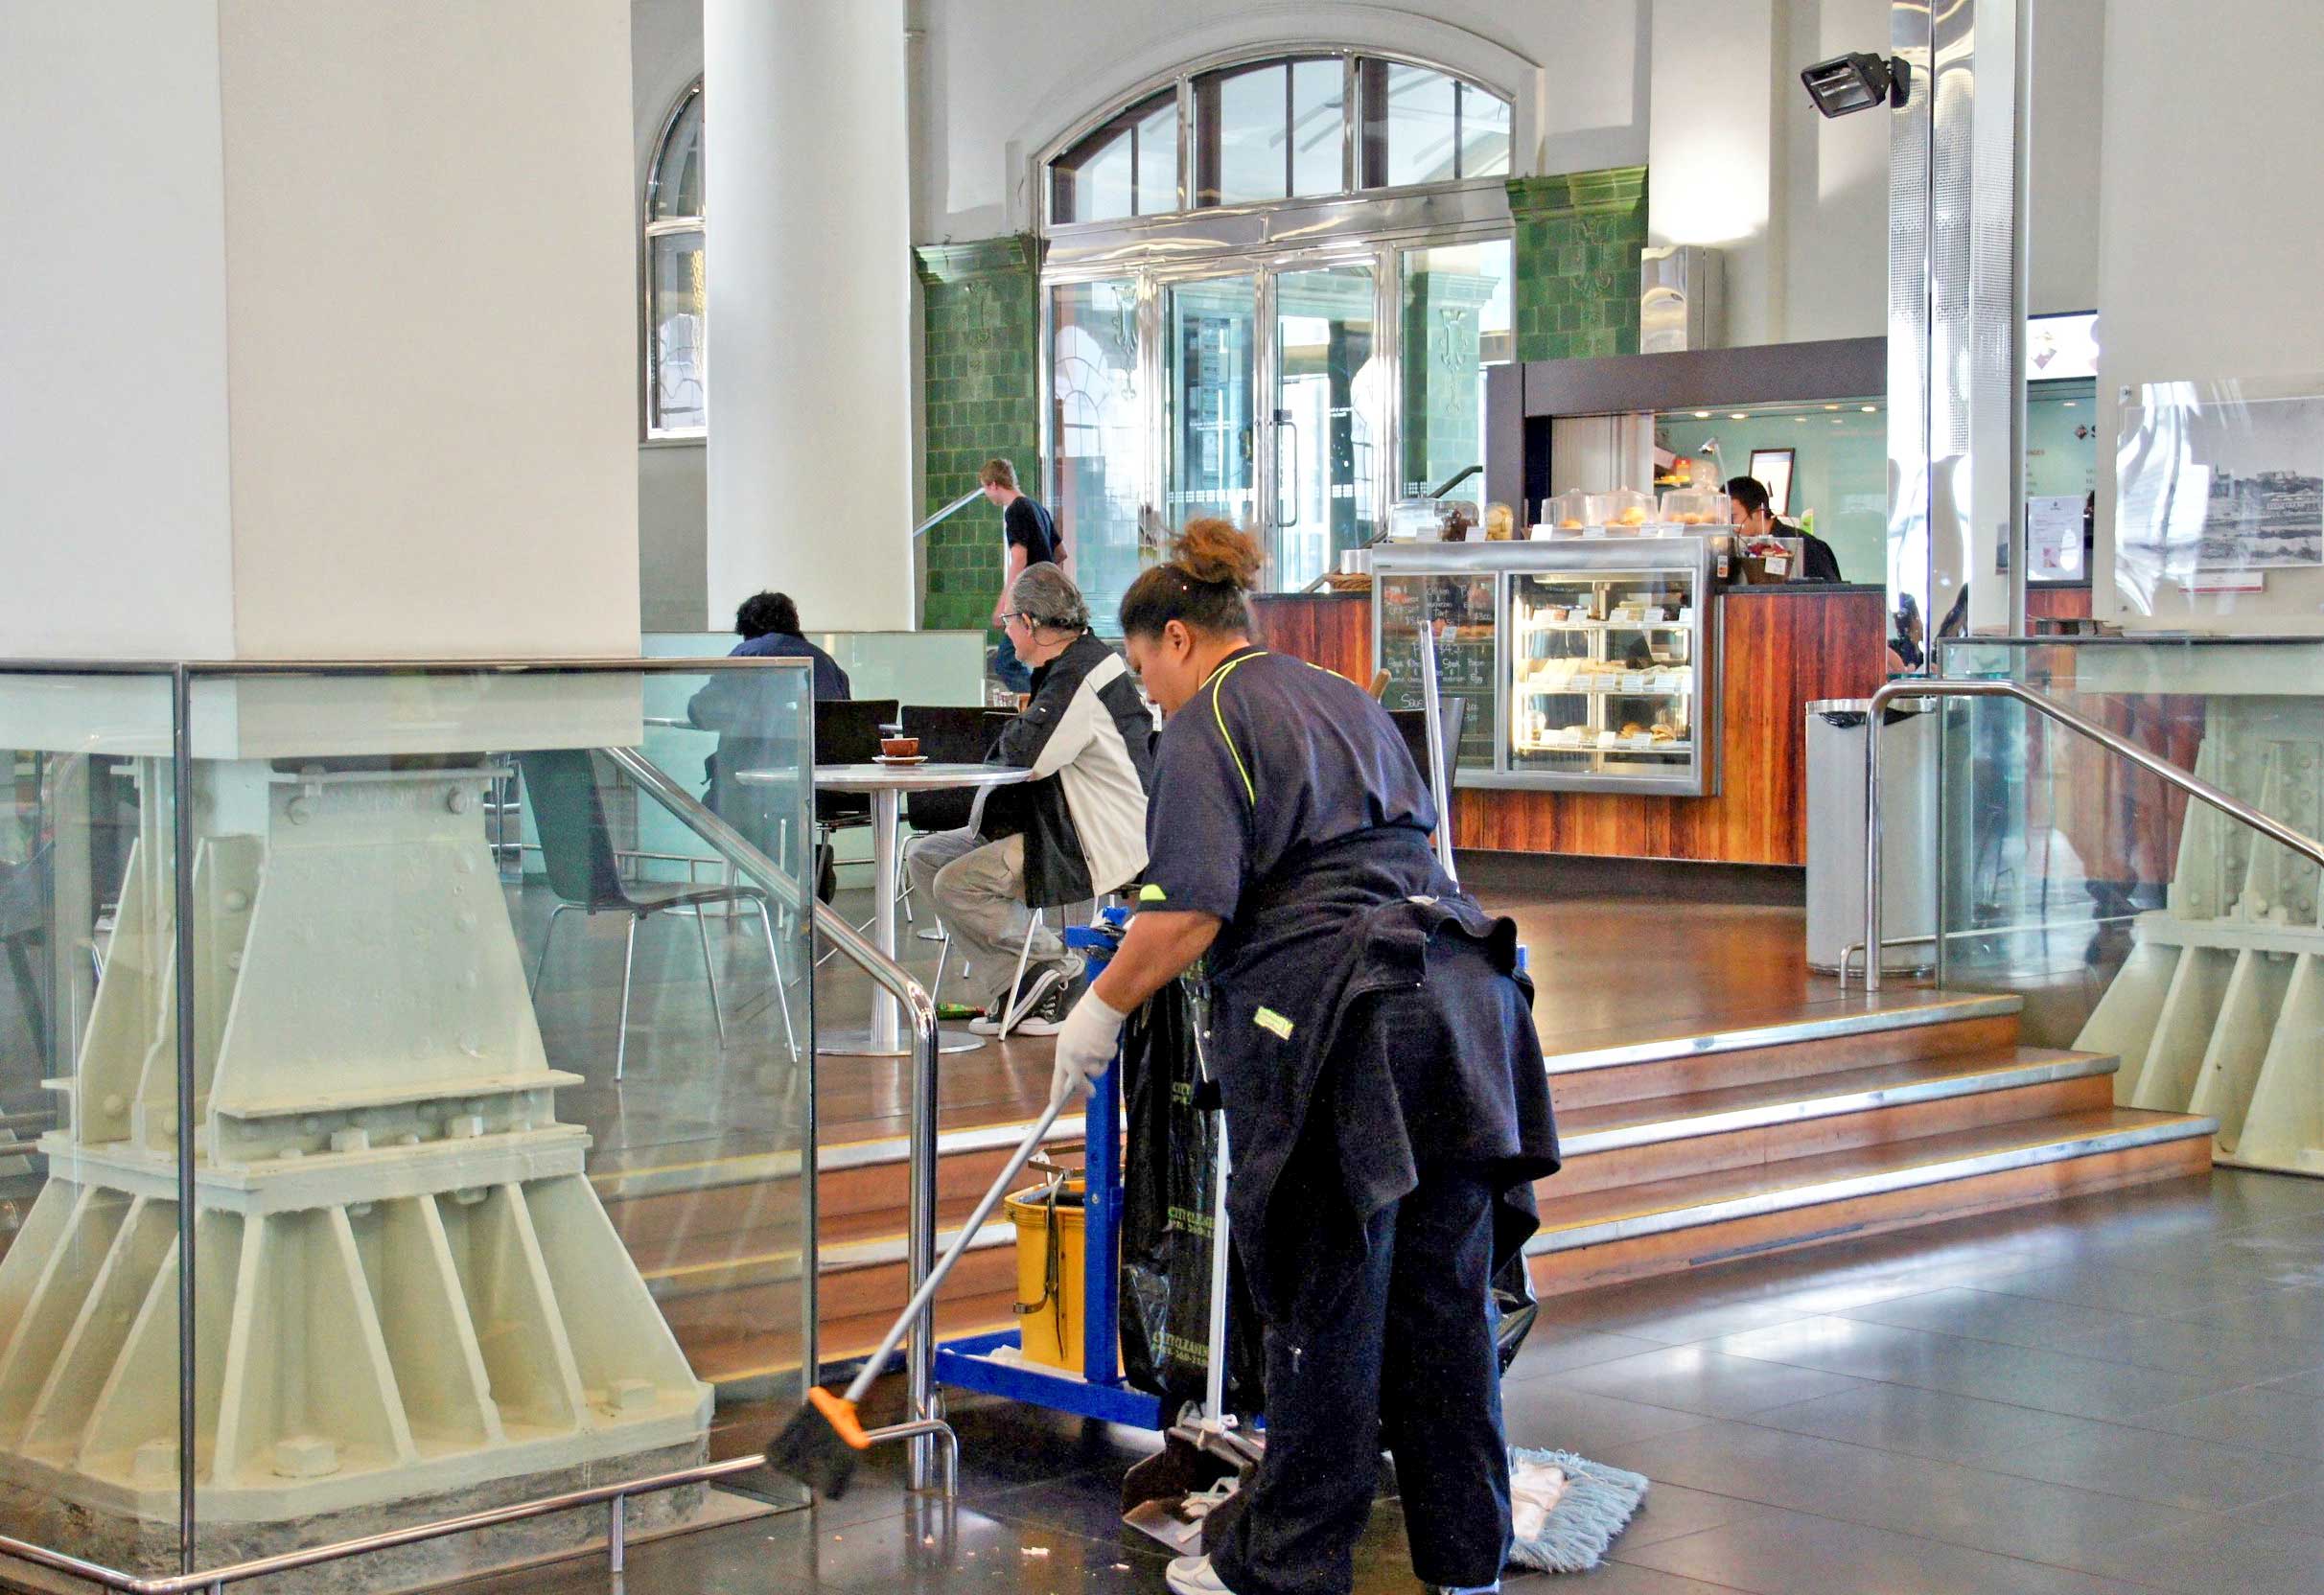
{"points": [[996, 1363], [1180, 1494]]}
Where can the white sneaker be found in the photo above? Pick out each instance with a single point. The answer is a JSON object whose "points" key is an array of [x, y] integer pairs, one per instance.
{"points": [[1195, 1576]]}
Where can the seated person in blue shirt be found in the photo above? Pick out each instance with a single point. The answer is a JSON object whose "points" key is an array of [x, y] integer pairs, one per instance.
{"points": [[755, 716]]}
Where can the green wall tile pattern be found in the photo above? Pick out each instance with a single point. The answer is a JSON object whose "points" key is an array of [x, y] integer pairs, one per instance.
{"points": [[1579, 239], [981, 363]]}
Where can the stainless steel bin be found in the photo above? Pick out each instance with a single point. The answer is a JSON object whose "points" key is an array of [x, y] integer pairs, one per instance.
{"points": [[1835, 832]]}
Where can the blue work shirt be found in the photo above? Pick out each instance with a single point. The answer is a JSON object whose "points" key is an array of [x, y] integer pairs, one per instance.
{"points": [[1271, 760], [830, 681], [1366, 1019]]}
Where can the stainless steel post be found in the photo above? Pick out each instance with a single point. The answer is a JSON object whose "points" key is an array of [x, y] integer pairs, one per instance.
{"points": [[919, 1353], [181, 848], [1439, 783], [616, 1532]]}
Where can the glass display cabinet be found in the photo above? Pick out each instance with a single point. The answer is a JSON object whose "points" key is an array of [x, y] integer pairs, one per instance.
{"points": [[1586, 663]]}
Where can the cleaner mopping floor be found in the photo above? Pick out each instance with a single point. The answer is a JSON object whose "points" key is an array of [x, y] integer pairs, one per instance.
{"points": [[1381, 1082]]}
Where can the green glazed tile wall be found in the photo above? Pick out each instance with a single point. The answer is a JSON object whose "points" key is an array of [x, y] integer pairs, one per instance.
{"points": [[1578, 237], [981, 364]]}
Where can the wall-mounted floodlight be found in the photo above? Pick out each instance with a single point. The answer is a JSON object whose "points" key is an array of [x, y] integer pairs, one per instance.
{"points": [[1856, 83]]}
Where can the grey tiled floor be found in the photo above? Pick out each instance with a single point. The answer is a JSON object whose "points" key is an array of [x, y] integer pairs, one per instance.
{"points": [[2121, 1393]]}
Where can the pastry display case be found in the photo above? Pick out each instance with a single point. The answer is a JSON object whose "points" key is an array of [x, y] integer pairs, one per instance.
{"points": [[1587, 664]]}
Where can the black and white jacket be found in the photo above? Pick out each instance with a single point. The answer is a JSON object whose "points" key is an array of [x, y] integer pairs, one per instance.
{"points": [[1087, 736]]}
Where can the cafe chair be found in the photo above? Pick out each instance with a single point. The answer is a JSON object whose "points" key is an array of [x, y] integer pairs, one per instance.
{"points": [[577, 854], [846, 731], [1452, 718]]}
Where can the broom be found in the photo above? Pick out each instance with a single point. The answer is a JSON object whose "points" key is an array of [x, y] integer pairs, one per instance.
{"points": [[824, 1439]]}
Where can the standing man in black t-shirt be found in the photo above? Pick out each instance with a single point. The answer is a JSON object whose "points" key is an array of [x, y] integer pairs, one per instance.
{"points": [[1029, 537]]}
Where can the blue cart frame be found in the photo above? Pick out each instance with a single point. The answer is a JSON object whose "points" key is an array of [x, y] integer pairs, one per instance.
{"points": [[1099, 1391]]}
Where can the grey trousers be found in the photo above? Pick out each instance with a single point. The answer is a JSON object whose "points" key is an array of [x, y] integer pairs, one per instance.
{"points": [[977, 891]]}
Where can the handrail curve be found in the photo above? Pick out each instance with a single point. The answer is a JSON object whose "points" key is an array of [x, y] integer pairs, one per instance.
{"points": [[2185, 780]]}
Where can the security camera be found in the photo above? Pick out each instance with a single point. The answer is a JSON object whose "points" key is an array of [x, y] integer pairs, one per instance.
{"points": [[1856, 83]]}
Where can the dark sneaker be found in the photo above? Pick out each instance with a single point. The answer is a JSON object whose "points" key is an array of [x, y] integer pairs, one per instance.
{"points": [[1031, 993]]}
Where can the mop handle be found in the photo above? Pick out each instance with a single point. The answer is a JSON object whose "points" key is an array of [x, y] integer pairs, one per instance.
{"points": [[920, 1298]]}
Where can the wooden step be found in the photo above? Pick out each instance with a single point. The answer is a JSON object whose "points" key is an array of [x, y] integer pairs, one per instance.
{"points": [[1858, 1035], [1632, 1230], [1766, 1122]]}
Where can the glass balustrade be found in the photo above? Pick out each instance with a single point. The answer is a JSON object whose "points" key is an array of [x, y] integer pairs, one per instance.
{"points": [[495, 1175]]}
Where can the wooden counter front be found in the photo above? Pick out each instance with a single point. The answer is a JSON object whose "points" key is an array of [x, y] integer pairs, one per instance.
{"points": [[1780, 648]]}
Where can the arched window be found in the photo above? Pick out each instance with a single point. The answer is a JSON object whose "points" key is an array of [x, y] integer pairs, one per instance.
{"points": [[1287, 127], [677, 302]]}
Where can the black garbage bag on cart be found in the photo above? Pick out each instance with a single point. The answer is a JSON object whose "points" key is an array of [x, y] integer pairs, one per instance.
{"points": [[1169, 1196]]}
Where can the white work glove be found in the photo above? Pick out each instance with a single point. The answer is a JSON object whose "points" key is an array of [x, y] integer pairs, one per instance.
{"points": [[1086, 1045]]}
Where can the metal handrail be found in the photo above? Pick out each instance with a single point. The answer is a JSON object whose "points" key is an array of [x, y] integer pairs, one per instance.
{"points": [[2188, 783], [919, 1358], [948, 511]]}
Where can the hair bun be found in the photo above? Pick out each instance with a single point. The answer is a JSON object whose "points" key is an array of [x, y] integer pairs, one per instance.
{"points": [[1213, 552]]}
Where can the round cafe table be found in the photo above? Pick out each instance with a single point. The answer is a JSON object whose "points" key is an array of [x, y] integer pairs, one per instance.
{"points": [[886, 784]]}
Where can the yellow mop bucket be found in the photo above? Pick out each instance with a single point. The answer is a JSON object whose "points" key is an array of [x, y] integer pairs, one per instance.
{"points": [[1049, 1250]]}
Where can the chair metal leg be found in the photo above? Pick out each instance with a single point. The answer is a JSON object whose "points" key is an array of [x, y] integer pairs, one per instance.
{"points": [[1012, 1009], [943, 952], [547, 936], [629, 969], [783, 996], [702, 934]]}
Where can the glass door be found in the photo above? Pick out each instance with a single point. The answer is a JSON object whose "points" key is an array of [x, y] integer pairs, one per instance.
{"points": [[1320, 454], [1210, 380]]}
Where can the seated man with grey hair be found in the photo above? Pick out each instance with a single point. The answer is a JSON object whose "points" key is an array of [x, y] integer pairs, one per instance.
{"points": [[1074, 831]]}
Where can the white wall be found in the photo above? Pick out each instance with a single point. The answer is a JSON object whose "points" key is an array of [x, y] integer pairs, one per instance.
{"points": [[114, 523], [2207, 249], [429, 276]]}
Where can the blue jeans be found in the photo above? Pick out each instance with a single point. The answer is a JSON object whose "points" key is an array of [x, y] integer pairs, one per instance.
{"points": [[1009, 670]]}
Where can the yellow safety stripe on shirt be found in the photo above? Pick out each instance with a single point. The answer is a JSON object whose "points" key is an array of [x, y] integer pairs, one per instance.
{"points": [[1268, 1020], [1219, 679], [1151, 893]]}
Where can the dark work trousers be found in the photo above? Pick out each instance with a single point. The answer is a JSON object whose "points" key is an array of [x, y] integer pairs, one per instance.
{"points": [[1405, 1359]]}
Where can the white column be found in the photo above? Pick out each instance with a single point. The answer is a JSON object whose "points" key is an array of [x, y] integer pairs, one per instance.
{"points": [[808, 209], [325, 342]]}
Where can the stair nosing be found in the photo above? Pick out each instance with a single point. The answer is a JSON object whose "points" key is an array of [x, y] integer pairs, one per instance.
{"points": [[1823, 1192], [780, 1266], [762, 1168], [1785, 1032], [2014, 1074]]}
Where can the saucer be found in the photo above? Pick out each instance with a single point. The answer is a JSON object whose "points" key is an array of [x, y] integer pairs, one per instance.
{"points": [[883, 759]]}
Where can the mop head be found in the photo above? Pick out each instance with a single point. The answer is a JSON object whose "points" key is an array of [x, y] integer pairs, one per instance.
{"points": [[1567, 1511]]}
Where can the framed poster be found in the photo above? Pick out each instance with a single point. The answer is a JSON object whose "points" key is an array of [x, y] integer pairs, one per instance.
{"points": [[1771, 469]]}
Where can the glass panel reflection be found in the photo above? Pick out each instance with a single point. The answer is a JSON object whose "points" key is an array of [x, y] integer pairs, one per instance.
{"points": [[1456, 321], [90, 1131], [677, 350], [467, 1147]]}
